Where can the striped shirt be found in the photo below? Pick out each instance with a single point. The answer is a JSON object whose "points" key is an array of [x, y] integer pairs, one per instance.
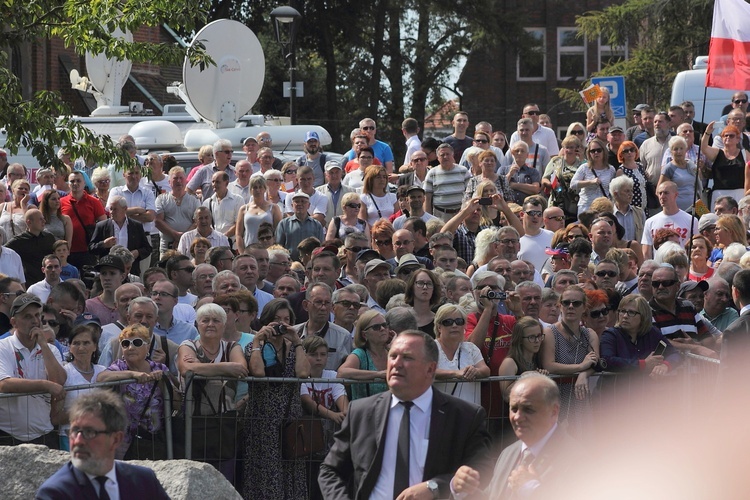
{"points": [[446, 186], [684, 319]]}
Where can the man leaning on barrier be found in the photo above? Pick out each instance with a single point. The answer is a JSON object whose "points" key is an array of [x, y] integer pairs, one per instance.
{"points": [[28, 364], [97, 427]]}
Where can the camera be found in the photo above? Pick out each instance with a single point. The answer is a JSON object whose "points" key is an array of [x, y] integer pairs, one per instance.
{"points": [[492, 295], [279, 330]]}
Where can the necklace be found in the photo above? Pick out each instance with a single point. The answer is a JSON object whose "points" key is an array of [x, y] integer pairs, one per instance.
{"points": [[82, 372], [212, 354]]}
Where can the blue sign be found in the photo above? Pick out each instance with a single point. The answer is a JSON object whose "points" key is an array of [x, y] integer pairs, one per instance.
{"points": [[616, 87]]}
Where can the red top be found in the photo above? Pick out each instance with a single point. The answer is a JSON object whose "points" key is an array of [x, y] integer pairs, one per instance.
{"points": [[89, 209]]}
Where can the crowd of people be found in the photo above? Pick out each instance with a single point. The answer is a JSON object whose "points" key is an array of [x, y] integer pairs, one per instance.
{"points": [[521, 254]]}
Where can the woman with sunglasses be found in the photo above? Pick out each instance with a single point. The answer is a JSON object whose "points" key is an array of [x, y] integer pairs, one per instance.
{"points": [[592, 180], [632, 345], [627, 155], [423, 292], [382, 239], [571, 349], [597, 316], [101, 179], [458, 359], [257, 211], [682, 172], [274, 180], [525, 344], [144, 398], [728, 169], [348, 222], [369, 358], [290, 183], [577, 130], [563, 167]]}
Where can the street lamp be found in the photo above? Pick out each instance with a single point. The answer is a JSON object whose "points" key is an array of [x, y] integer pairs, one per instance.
{"points": [[286, 21]]}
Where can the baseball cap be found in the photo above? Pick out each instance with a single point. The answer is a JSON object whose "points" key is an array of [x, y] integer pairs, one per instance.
{"points": [[374, 264], [312, 135], [249, 139], [111, 261], [23, 301], [560, 249], [407, 260], [367, 252], [330, 165], [415, 188], [328, 248], [300, 194], [706, 221], [640, 107], [87, 319], [616, 128], [689, 285]]}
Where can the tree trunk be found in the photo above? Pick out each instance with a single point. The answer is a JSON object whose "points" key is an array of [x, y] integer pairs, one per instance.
{"points": [[421, 60]]}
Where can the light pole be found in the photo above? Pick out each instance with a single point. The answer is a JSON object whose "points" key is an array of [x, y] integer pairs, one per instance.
{"points": [[286, 21]]}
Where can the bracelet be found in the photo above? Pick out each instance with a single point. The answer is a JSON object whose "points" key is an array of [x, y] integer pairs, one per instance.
{"points": [[298, 345], [256, 349]]}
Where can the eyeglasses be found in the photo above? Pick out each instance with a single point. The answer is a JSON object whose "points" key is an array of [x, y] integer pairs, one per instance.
{"points": [[377, 328], [322, 303], [424, 284], [628, 312], [535, 338], [599, 313], [608, 274], [227, 152], [382, 243], [51, 322], [574, 303], [508, 241], [740, 101], [558, 218], [533, 113], [356, 249], [154, 293], [348, 304], [577, 132], [125, 343], [534, 213], [664, 283], [453, 321], [628, 150], [105, 181], [595, 151], [87, 433], [368, 127], [481, 141], [729, 136], [189, 269], [353, 205]]}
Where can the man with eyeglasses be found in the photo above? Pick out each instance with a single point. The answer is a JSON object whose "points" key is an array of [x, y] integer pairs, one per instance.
{"points": [[536, 239], [203, 227], [671, 217], [279, 264], [180, 272], [265, 141], [84, 211], [98, 425], [403, 244], [333, 189], [28, 363], [164, 294], [418, 167], [346, 308], [222, 159], [223, 206], [540, 134], [677, 318], [318, 305], [382, 151], [458, 140], [353, 245], [553, 219], [652, 150]]}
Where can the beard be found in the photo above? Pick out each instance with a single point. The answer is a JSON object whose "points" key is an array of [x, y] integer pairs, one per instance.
{"points": [[89, 465]]}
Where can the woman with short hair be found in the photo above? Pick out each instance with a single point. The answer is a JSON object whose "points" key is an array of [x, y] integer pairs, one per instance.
{"points": [[348, 222]]}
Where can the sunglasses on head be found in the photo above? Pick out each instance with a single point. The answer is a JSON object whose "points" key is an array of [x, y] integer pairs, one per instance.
{"points": [[599, 313], [125, 343], [453, 321]]}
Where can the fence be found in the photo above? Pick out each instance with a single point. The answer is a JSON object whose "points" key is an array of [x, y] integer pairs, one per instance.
{"points": [[246, 444]]}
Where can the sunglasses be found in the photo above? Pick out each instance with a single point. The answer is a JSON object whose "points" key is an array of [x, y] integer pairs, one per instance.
{"points": [[481, 141], [125, 343], [383, 243], [353, 205], [558, 218], [349, 304], [628, 150], [369, 127], [599, 313], [578, 132], [356, 249], [533, 113], [728, 136], [534, 213], [665, 283], [51, 322], [740, 101], [574, 303], [453, 321], [609, 274], [290, 172], [628, 312], [595, 151], [377, 328]]}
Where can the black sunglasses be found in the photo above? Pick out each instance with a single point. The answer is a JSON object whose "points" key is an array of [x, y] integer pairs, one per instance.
{"points": [[609, 274], [664, 283], [452, 321], [599, 313]]}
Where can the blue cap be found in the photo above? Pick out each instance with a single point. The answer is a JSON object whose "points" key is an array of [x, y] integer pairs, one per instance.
{"points": [[312, 135]]}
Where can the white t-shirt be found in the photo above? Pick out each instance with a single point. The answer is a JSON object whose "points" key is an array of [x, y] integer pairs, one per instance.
{"points": [[75, 378], [544, 136], [318, 204], [466, 354], [679, 222], [384, 204], [326, 393], [533, 247]]}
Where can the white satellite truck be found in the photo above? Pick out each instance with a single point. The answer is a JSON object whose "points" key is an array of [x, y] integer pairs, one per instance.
{"points": [[690, 85], [216, 102]]}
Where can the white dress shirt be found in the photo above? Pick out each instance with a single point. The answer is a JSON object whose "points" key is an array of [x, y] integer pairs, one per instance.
{"points": [[113, 489]]}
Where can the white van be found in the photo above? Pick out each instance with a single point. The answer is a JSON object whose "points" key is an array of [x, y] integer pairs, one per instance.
{"points": [[690, 86]]}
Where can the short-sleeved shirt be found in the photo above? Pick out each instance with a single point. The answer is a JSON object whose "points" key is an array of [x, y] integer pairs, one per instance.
{"points": [[291, 231], [202, 179], [381, 149], [142, 197], [89, 210], [525, 175], [178, 331], [325, 394], [319, 204], [684, 319], [679, 222], [224, 211], [447, 186], [177, 216], [216, 239], [339, 342], [11, 265], [467, 354]]}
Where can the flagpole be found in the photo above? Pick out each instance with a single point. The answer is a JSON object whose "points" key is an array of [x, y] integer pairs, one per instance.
{"points": [[697, 173]]}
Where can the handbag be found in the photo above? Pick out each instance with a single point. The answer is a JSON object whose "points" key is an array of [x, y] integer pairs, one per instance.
{"points": [[145, 445], [301, 437]]}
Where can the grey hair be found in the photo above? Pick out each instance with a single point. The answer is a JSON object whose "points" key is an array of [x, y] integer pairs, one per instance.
{"points": [[211, 309], [616, 184], [401, 318], [223, 274], [123, 253], [396, 301], [142, 300], [120, 200], [318, 284], [337, 293], [528, 284], [221, 144], [480, 276]]}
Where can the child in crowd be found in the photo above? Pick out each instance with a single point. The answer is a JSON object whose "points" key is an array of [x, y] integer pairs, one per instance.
{"points": [[62, 251]]}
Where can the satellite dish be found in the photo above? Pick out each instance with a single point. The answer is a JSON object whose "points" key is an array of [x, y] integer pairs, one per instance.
{"points": [[107, 75], [223, 93]]}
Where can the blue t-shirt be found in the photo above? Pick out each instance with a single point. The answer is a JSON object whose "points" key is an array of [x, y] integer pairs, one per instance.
{"points": [[381, 149], [69, 272]]}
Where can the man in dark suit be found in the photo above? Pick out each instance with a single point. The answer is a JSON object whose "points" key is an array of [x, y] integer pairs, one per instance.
{"points": [[533, 465], [97, 427], [371, 448], [735, 343], [106, 234]]}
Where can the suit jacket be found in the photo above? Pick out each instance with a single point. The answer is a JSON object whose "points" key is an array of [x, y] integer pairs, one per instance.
{"points": [[458, 436], [133, 481], [553, 464], [137, 238], [735, 351]]}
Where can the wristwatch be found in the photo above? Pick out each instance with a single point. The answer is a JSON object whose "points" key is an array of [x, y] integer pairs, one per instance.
{"points": [[433, 487]]}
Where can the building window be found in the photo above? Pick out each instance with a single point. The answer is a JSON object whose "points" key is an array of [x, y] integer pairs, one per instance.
{"points": [[571, 54], [611, 54], [533, 64]]}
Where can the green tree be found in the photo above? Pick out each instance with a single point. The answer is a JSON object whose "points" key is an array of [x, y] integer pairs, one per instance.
{"points": [[32, 121]]}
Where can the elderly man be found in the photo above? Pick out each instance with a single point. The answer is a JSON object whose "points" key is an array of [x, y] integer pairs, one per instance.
{"points": [[523, 180], [285, 286], [241, 185], [226, 282], [223, 205], [164, 294], [220, 257], [203, 277], [203, 228], [540, 134], [28, 364], [412, 417], [222, 159], [319, 306], [417, 170], [98, 423], [265, 159], [670, 217], [250, 147], [175, 211], [652, 150], [645, 273], [541, 459], [717, 304], [530, 295], [246, 268], [140, 202], [333, 189], [677, 318], [32, 245], [444, 185], [320, 204], [292, 230], [266, 141], [279, 264], [536, 239], [121, 230]]}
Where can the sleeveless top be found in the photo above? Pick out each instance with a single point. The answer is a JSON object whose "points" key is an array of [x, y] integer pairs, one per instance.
{"points": [[571, 352], [365, 363], [252, 224], [12, 224], [729, 174], [342, 229], [56, 227]]}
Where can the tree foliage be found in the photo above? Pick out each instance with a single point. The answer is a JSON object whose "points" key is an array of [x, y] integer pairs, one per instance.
{"points": [[85, 25], [665, 37]]}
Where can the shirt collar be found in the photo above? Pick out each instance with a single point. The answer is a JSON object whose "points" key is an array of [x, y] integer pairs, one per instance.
{"points": [[111, 475], [537, 448], [423, 402]]}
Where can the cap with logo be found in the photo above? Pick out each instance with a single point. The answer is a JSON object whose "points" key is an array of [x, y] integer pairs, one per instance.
{"points": [[87, 319], [312, 135], [111, 261], [23, 301]]}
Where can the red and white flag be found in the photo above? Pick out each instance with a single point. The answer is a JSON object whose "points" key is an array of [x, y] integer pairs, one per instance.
{"points": [[729, 54]]}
